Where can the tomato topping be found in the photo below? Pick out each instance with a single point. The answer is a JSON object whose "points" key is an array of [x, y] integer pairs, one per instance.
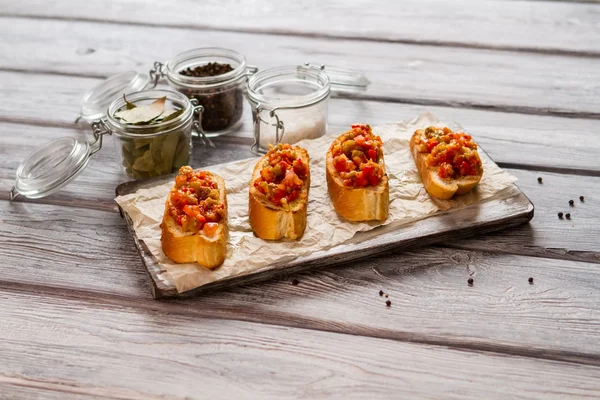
{"points": [[356, 156], [210, 228], [283, 174], [195, 200], [454, 153]]}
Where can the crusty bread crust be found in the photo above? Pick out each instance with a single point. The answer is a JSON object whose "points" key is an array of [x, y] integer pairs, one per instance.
{"points": [[357, 204], [272, 222], [188, 247], [436, 186]]}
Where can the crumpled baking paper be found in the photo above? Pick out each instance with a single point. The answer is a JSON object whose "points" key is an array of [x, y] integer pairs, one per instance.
{"points": [[247, 253]]}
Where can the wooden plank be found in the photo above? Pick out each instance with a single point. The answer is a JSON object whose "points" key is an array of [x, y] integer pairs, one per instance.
{"points": [[547, 235], [548, 142], [549, 26], [432, 75], [13, 388], [77, 344], [87, 254], [511, 210]]}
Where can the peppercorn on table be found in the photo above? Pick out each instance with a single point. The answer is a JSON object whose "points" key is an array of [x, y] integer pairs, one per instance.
{"points": [[511, 314]]}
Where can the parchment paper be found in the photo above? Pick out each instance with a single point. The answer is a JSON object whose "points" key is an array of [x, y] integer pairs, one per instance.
{"points": [[246, 253]]}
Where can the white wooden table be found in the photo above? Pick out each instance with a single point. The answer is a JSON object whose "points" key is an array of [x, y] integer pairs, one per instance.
{"points": [[76, 315]]}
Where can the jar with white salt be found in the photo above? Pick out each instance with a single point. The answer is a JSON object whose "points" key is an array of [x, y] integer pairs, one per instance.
{"points": [[289, 104]]}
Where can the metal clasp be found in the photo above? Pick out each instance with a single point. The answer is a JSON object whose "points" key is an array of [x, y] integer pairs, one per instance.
{"points": [[12, 194], [279, 128], [197, 131], [251, 70], [156, 73], [99, 129]]}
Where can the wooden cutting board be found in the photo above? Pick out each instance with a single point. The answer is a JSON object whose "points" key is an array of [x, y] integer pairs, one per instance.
{"points": [[511, 209]]}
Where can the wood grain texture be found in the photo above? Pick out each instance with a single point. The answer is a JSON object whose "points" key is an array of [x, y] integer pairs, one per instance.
{"points": [[548, 142], [149, 354], [528, 25], [512, 209], [544, 236], [547, 235], [19, 388], [86, 254], [431, 75]]}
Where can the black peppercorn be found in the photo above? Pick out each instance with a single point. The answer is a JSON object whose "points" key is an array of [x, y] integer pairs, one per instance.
{"points": [[470, 281], [530, 280], [540, 179], [571, 202], [381, 292], [388, 303], [295, 282], [560, 215], [568, 216], [581, 198], [223, 106]]}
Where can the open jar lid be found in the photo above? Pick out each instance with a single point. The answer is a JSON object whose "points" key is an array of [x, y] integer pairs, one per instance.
{"points": [[341, 79], [95, 103], [301, 86], [51, 167]]}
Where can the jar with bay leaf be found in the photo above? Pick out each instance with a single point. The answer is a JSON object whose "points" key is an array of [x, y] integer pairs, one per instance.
{"points": [[153, 132]]}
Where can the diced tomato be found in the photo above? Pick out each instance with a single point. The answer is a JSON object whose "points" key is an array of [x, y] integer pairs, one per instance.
{"points": [[445, 171], [431, 144], [267, 174], [360, 140], [293, 196], [299, 167], [373, 180], [361, 179], [372, 155], [210, 228], [291, 179], [348, 182]]}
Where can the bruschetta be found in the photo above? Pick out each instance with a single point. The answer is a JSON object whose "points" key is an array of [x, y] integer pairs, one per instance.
{"points": [[356, 177], [194, 225], [279, 193], [448, 161]]}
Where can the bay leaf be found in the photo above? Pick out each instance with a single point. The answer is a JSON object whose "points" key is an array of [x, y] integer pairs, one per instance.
{"points": [[144, 163], [143, 114], [128, 105], [167, 152], [171, 115]]}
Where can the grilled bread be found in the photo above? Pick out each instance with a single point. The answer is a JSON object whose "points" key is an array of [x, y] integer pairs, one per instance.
{"points": [[194, 225]]}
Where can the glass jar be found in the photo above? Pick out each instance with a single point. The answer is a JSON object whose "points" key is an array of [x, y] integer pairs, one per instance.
{"points": [[143, 151], [222, 95], [290, 103], [146, 151]]}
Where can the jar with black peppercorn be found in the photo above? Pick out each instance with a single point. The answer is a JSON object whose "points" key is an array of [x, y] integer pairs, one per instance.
{"points": [[216, 78]]}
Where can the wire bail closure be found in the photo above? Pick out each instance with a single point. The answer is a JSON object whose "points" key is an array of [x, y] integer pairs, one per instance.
{"points": [[99, 129], [198, 132], [279, 127], [156, 73]]}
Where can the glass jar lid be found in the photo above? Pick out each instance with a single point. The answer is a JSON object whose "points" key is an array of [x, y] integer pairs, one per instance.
{"points": [[51, 167], [300, 86], [95, 103]]}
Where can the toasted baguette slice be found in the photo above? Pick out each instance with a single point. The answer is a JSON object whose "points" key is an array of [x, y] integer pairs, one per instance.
{"points": [[272, 222], [443, 189], [357, 203], [188, 247]]}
